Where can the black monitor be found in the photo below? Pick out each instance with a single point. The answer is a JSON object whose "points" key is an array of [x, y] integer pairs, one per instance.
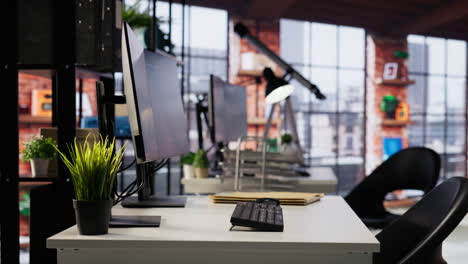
{"points": [[227, 108], [157, 120]]}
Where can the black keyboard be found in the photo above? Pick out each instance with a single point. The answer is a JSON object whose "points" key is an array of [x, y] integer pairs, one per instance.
{"points": [[263, 215]]}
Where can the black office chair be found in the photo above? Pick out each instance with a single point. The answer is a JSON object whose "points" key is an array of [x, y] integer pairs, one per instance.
{"points": [[412, 168], [417, 236]]}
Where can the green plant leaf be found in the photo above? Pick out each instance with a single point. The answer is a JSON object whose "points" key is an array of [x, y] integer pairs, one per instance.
{"points": [[39, 148], [201, 160], [93, 168]]}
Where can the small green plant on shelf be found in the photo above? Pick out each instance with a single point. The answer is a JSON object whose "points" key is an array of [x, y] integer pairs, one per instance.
{"points": [[201, 164], [39, 148], [187, 159], [187, 164], [286, 138], [93, 169], [39, 151]]}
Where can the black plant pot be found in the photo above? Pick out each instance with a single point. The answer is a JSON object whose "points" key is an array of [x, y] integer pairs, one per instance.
{"points": [[92, 217]]}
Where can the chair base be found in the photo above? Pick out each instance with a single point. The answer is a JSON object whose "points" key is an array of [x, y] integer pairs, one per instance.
{"points": [[381, 222]]}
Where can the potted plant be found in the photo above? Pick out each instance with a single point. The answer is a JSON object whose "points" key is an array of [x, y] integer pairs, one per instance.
{"points": [[286, 144], [93, 169], [39, 151], [201, 164], [187, 163], [141, 21]]}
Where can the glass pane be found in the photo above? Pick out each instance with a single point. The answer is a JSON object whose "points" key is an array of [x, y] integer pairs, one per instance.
{"points": [[351, 47], [324, 44], [350, 134], [323, 134], [416, 132], [454, 165], [435, 132], [436, 55], [303, 130], [456, 134], [202, 39], [295, 41], [456, 57], [456, 99], [325, 79], [200, 70], [301, 95], [417, 49], [417, 94], [351, 94], [350, 173], [436, 95]]}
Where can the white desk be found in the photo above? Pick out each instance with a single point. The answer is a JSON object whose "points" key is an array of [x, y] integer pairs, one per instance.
{"points": [[321, 180], [324, 232]]}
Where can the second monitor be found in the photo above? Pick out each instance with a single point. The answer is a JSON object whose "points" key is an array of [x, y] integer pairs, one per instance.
{"points": [[227, 111]]}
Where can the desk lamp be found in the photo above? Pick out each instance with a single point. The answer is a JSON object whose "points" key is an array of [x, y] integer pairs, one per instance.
{"points": [[277, 89]]}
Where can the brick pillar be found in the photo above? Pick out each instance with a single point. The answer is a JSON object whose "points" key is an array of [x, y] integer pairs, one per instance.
{"points": [[380, 50], [269, 33]]}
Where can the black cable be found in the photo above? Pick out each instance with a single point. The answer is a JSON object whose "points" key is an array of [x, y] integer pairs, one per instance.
{"points": [[128, 167], [130, 189]]}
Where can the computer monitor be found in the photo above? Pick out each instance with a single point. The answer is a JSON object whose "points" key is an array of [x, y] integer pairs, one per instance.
{"points": [[157, 120], [227, 108]]}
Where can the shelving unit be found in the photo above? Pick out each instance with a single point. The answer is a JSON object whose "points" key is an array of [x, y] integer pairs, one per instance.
{"points": [[396, 82], [396, 123], [259, 121], [35, 119]]}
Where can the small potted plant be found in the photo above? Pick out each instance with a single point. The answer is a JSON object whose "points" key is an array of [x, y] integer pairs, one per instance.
{"points": [[93, 169], [39, 151], [286, 144], [201, 164], [187, 163]]}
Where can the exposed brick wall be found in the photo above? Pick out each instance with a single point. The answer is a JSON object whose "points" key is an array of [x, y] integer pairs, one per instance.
{"points": [[380, 51], [268, 33], [26, 84]]}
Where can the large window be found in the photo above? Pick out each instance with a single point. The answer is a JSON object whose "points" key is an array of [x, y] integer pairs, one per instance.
{"points": [[331, 131], [438, 99], [204, 40]]}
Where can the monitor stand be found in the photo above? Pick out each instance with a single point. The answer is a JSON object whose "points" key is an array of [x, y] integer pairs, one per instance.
{"points": [[146, 200]]}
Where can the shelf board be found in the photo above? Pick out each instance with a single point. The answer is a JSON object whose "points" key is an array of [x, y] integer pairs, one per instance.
{"points": [[258, 121], [396, 123], [35, 119], [396, 82], [36, 179]]}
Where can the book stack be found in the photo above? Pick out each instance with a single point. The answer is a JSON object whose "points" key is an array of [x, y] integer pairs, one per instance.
{"points": [[285, 198]]}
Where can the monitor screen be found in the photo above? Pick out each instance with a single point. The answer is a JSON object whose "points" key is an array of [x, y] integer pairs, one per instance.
{"points": [[157, 120], [227, 110]]}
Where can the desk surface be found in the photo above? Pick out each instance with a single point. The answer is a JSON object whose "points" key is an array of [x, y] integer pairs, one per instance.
{"points": [[321, 179], [326, 226]]}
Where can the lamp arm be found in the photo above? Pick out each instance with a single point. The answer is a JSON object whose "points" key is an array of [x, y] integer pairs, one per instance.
{"points": [[243, 32]]}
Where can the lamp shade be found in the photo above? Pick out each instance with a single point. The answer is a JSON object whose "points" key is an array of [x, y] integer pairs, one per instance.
{"points": [[279, 94], [277, 89]]}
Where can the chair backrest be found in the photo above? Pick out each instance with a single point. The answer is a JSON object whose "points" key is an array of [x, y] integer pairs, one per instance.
{"points": [[412, 168], [417, 235]]}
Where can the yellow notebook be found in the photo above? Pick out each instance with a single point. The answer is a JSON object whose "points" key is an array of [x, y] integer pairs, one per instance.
{"points": [[286, 198]]}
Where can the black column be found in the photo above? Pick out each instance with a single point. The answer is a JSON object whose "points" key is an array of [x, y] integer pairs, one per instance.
{"points": [[9, 216]]}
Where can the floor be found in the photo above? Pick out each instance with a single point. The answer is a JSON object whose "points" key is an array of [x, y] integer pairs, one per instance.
{"points": [[455, 246]]}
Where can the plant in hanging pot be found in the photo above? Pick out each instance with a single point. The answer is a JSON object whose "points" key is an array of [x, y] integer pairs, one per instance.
{"points": [[39, 151], [93, 169], [201, 164], [187, 163]]}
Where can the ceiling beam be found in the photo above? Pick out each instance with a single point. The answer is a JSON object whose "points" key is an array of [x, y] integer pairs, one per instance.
{"points": [[267, 9], [439, 16]]}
